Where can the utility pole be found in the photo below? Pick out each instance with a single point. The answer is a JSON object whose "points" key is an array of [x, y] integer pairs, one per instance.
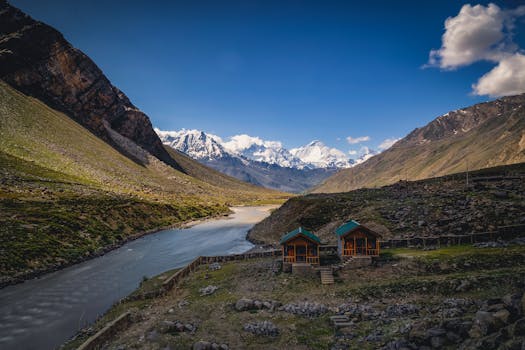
{"points": [[467, 172]]}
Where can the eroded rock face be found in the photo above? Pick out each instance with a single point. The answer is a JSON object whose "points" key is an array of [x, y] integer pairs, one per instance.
{"points": [[37, 60]]}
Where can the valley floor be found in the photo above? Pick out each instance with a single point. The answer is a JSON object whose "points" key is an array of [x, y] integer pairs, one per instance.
{"points": [[456, 297]]}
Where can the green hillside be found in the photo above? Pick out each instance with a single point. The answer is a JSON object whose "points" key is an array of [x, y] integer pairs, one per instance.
{"points": [[66, 195]]}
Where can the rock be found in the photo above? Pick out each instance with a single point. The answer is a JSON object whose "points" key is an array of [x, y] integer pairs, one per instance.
{"points": [[418, 333], [208, 290], [513, 303], [257, 304], [436, 332], [265, 328], [453, 337], [519, 327], [201, 345], [244, 304], [305, 309], [179, 327], [214, 266], [463, 286], [437, 342], [152, 336], [458, 325], [502, 315], [189, 327], [496, 307], [484, 323], [167, 327], [401, 310]]}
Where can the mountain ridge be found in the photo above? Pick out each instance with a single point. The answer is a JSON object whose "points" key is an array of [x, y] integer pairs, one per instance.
{"points": [[480, 136]]}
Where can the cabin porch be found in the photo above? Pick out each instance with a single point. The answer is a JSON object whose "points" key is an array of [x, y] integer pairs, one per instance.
{"points": [[359, 244], [301, 251]]}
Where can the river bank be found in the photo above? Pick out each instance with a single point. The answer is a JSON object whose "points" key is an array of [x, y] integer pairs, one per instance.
{"points": [[104, 250], [52, 308]]}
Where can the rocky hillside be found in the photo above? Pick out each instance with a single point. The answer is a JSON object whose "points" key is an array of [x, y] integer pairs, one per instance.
{"points": [[37, 60], [484, 135], [494, 197]]}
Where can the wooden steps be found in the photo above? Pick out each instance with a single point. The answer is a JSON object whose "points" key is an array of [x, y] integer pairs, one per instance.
{"points": [[327, 277], [340, 321]]}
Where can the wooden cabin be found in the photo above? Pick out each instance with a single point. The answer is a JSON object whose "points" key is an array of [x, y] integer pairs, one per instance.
{"points": [[354, 240], [300, 246]]}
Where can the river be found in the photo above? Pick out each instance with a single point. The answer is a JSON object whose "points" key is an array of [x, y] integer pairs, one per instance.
{"points": [[43, 313]]}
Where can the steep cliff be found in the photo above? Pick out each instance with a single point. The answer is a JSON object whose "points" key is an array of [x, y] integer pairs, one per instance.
{"points": [[37, 60]]}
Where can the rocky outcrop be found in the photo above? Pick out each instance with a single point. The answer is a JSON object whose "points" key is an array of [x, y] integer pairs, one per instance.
{"points": [[37, 60]]}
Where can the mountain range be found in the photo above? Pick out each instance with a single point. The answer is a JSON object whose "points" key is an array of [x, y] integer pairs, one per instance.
{"points": [[264, 163]]}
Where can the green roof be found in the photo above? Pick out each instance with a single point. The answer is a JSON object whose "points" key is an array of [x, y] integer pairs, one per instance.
{"points": [[347, 227], [297, 232]]}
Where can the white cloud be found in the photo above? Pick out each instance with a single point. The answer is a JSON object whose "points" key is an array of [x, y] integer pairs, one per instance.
{"points": [[507, 78], [476, 33], [353, 140], [483, 33], [387, 143], [352, 152]]}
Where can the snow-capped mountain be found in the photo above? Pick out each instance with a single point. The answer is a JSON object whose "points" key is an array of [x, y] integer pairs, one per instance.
{"points": [[366, 153], [197, 144], [254, 148], [317, 155], [262, 162]]}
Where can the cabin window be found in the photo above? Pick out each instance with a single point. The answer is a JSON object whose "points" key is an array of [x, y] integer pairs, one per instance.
{"points": [[312, 251]]}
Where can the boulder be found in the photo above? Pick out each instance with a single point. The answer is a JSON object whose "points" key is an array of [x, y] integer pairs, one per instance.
{"points": [[265, 328], [418, 333], [437, 342], [208, 290], [202, 345], [484, 323], [244, 304], [502, 315], [519, 328]]}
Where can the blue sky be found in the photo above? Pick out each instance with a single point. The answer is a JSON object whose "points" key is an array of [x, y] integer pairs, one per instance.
{"points": [[291, 71]]}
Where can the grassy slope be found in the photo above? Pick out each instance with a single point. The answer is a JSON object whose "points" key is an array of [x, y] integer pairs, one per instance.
{"points": [[65, 194], [423, 278], [493, 143]]}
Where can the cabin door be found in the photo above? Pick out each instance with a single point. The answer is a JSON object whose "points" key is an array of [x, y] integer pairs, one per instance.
{"points": [[300, 252], [360, 245]]}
